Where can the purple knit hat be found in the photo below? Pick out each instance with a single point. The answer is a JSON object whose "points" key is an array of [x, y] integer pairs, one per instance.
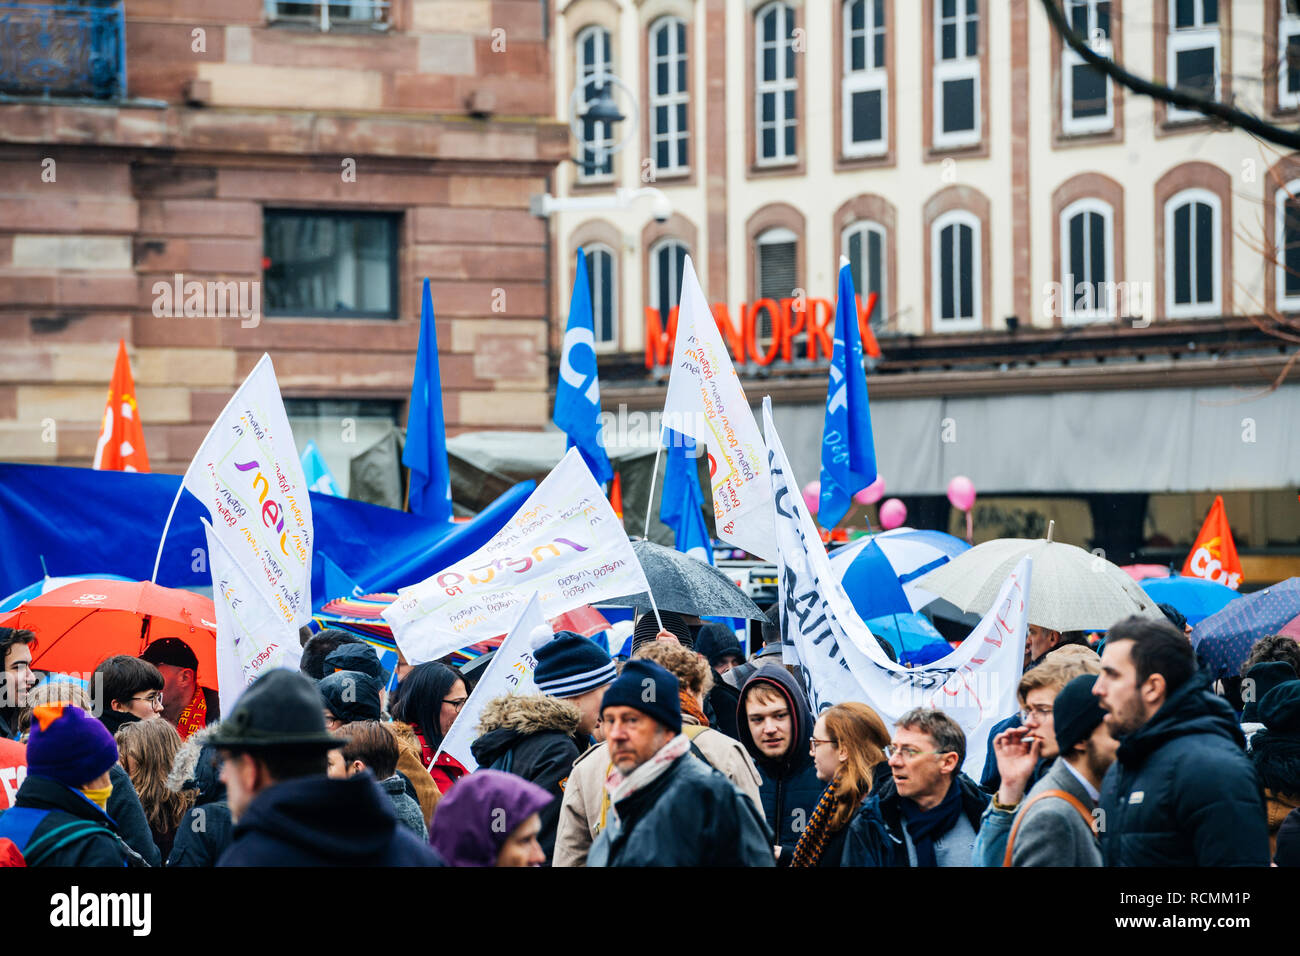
{"points": [[68, 746], [479, 812]]}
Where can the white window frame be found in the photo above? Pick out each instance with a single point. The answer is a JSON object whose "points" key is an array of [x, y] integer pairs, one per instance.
{"points": [[1197, 37], [1102, 311], [376, 14], [957, 217], [872, 77], [778, 87], [865, 227], [1284, 303], [670, 100], [1194, 309], [601, 65], [1069, 60], [964, 66], [590, 250], [1288, 26], [655, 251]]}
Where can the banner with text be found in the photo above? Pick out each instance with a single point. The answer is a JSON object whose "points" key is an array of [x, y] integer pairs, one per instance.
{"points": [[251, 636], [248, 475], [564, 543], [824, 636]]}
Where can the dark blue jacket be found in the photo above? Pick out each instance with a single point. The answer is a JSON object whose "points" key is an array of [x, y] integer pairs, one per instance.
{"points": [[875, 834], [1182, 791], [789, 787], [55, 825], [316, 821]]}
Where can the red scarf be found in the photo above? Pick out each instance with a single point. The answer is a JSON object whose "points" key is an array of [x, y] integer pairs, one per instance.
{"points": [[195, 715]]}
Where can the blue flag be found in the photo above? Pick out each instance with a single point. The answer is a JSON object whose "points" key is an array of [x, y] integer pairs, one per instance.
{"points": [[577, 395], [426, 436], [682, 501], [318, 474], [848, 449]]}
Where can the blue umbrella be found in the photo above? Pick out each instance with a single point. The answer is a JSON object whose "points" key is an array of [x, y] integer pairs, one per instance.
{"points": [[912, 636], [1196, 598], [878, 572], [1223, 640]]}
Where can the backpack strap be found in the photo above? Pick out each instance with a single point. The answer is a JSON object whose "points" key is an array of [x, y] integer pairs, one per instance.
{"points": [[59, 837], [1069, 798]]}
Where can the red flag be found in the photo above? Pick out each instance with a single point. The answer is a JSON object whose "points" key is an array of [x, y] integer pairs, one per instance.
{"points": [[121, 437], [616, 495], [1214, 555]]}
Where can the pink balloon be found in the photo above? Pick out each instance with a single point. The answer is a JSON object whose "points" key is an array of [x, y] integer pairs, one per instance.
{"points": [[961, 492], [812, 495], [872, 493], [892, 514]]}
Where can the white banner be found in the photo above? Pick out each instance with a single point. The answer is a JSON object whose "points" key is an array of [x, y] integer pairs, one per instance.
{"points": [[705, 401], [840, 658], [251, 636], [509, 672], [564, 543], [248, 475]]}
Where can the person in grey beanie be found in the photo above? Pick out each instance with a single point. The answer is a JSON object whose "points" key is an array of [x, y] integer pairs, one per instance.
{"points": [[668, 807]]}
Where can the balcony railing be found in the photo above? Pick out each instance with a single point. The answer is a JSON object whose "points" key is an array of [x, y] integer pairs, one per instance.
{"points": [[63, 51]]}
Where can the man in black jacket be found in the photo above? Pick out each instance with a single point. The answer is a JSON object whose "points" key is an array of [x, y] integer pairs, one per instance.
{"points": [[16, 677], [274, 749], [668, 807], [1181, 791], [775, 726]]}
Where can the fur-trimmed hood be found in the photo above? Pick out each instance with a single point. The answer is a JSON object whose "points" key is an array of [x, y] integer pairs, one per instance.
{"points": [[527, 714], [188, 773]]}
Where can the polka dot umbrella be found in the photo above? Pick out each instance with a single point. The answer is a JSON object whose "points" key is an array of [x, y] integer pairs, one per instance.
{"points": [[1223, 640]]}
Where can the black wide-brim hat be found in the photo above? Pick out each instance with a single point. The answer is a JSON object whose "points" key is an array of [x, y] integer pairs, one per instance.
{"points": [[281, 709]]}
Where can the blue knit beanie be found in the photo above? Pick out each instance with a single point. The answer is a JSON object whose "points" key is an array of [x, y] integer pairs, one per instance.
{"points": [[68, 746], [571, 665], [647, 687]]}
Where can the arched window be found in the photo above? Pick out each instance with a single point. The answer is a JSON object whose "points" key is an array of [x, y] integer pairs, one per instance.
{"points": [[603, 276], [1087, 267], [1192, 254], [1287, 255], [593, 59], [669, 100], [776, 86], [777, 272], [955, 270], [667, 260], [865, 85], [863, 243]]}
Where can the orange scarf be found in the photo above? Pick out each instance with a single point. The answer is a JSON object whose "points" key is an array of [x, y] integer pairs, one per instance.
{"points": [[692, 706], [195, 715]]}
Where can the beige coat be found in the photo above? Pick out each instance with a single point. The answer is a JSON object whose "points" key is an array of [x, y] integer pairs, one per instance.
{"points": [[585, 807]]}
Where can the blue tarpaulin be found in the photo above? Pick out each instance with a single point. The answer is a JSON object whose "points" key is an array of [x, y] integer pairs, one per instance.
{"points": [[79, 519]]}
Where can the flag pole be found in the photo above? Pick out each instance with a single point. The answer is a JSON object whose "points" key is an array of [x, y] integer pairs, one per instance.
{"points": [[161, 541], [654, 473]]}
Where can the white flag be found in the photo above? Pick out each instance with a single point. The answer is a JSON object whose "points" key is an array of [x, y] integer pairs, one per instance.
{"points": [[840, 658], [509, 672], [251, 636], [248, 475], [705, 401], [564, 542]]}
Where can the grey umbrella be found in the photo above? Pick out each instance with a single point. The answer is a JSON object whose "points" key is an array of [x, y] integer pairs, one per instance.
{"points": [[686, 585]]}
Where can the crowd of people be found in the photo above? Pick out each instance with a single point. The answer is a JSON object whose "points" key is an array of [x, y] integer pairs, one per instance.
{"points": [[686, 754]]}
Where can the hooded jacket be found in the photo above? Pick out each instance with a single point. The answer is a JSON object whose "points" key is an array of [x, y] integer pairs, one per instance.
{"points": [[1182, 792], [1275, 752], [789, 783], [691, 815], [317, 821], [533, 733], [875, 834], [70, 830], [205, 831]]}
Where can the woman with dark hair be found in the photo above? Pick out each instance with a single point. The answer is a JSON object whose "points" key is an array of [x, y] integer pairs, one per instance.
{"points": [[429, 700], [848, 748]]}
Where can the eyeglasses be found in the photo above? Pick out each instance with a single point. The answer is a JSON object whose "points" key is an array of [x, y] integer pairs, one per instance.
{"points": [[911, 753], [1041, 711], [153, 700], [814, 743], [458, 703]]}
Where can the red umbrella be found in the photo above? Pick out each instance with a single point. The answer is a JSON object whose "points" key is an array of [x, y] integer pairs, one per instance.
{"points": [[80, 624]]}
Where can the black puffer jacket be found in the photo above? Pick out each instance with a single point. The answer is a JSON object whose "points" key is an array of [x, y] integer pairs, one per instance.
{"points": [[1182, 792], [206, 829], [74, 831], [875, 834], [533, 733], [316, 821], [789, 786], [691, 815]]}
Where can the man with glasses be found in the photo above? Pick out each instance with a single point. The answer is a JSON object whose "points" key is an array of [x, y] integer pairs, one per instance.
{"points": [[131, 688], [928, 812]]}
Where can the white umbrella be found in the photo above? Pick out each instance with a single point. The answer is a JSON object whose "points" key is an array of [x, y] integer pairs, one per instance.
{"points": [[1070, 590]]}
